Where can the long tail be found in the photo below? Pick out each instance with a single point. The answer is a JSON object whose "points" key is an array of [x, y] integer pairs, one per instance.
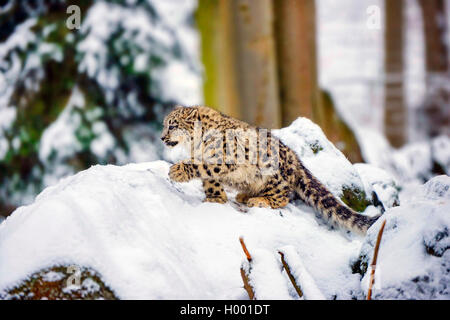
{"points": [[332, 210]]}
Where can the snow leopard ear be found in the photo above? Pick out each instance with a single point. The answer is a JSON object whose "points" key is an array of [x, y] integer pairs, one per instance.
{"points": [[191, 114]]}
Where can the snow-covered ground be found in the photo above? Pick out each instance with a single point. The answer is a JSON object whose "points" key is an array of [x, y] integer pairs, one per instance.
{"points": [[414, 260], [151, 238]]}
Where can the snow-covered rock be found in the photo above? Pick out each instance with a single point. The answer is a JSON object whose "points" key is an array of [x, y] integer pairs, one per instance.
{"points": [[61, 283], [150, 238], [413, 259], [440, 147], [325, 161], [380, 182]]}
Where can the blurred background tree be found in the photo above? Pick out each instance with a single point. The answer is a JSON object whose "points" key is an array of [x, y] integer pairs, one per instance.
{"points": [[76, 98], [239, 56], [395, 113], [436, 108], [260, 62]]}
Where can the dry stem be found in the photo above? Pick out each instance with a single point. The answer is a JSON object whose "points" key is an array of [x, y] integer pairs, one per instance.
{"points": [[374, 261], [291, 277]]}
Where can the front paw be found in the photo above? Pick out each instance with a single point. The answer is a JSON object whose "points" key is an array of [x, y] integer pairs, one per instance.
{"points": [[242, 197], [178, 173]]}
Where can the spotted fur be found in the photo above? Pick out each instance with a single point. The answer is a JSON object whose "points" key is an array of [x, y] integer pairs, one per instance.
{"points": [[257, 187]]}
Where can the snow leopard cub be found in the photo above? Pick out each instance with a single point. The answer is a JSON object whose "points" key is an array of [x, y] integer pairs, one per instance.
{"points": [[229, 152]]}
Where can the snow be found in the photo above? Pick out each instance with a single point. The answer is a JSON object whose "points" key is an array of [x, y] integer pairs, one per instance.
{"points": [[182, 81], [151, 238], [53, 276], [266, 278], [142, 232], [60, 135], [168, 37], [104, 141], [350, 60], [413, 260], [10, 65], [379, 181], [59, 142], [90, 285], [314, 149], [300, 273], [188, 85], [413, 163], [441, 151]]}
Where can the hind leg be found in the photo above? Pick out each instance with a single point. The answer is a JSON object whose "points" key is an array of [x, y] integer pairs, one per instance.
{"points": [[268, 201], [275, 195], [242, 197], [214, 191]]}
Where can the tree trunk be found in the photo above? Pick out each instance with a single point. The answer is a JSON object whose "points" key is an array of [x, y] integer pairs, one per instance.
{"points": [[255, 59], [300, 95], [296, 51], [238, 53], [436, 109], [214, 20], [207, 18], [395, 114], [337, 130], [264, 74]]}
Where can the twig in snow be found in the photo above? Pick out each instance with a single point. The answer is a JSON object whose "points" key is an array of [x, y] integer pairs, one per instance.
{"points": [[247, 254], [374, 261], [244, 274], [247, 285], [291, 277]]}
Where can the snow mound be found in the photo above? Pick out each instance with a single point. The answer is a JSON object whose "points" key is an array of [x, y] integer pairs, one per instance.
{"points": [[438, 188], [380, 182], [315, 150], [413, 260], [265, 277], [150, 238], [441, 152]]}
